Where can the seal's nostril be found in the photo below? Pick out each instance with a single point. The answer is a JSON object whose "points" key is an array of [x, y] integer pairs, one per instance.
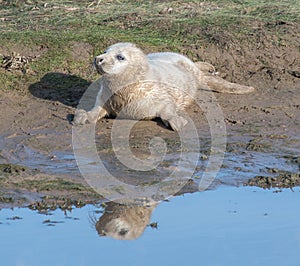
{"points": [[98, 60]]}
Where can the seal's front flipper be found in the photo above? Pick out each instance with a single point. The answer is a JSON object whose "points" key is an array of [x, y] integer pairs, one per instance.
{"points": [[80, 117], [175, 122], [83, 117]]}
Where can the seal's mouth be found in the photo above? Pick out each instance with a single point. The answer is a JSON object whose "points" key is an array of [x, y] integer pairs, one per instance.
{"points": [[98, 68]]}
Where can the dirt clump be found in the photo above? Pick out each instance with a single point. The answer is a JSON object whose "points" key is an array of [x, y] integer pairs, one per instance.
{"points": [[283, 180]]}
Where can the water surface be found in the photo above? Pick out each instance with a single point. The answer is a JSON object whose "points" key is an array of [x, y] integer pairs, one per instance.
{"points": [[226, 226]]}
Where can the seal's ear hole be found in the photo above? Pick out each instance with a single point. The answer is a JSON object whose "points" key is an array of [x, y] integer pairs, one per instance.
{"points": [[120, 57]]}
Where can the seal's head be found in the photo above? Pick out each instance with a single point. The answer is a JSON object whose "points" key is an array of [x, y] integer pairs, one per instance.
{"points": [[124, 222], [121, 59]]}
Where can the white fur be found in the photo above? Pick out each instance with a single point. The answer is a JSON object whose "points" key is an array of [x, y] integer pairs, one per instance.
{"points": [[138, 86]]}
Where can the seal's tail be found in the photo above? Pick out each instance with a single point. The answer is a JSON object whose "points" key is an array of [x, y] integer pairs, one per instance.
{"points": [[217, 84]]}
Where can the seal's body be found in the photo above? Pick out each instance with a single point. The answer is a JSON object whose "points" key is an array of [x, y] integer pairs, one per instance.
{"points": [[138, 86]]}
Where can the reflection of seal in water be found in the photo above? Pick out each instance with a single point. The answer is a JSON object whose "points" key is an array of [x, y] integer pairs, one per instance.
{"points": [[139, 86], [124, 222]]}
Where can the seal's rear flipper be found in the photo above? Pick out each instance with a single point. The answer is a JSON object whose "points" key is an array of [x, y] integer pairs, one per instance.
{"points": [[205, 67], [217, 84]]}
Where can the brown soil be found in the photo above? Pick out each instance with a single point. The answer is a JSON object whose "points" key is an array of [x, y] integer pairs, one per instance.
{"points": [[35, 126]]}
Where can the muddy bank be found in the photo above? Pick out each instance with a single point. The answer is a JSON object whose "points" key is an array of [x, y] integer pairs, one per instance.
{"points": [[36, 156], [23, 186]]}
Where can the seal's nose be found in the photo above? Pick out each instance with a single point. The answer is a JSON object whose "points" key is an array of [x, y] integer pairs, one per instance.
{"points": [[98, 60]]}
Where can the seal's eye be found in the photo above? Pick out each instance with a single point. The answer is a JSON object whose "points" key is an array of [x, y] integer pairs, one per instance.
{"points": [[120, 57]]}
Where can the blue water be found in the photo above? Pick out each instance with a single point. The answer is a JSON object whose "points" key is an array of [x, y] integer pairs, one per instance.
{"points": [[227, 226]]}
